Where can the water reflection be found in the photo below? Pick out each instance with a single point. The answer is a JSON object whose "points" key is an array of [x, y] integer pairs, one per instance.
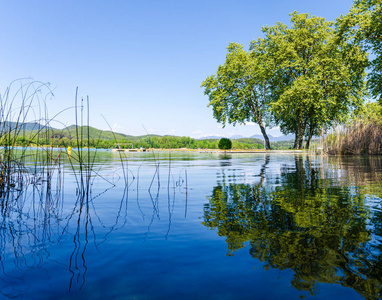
{"points": [[316, 219], [44, 228], [225, 160], [136, 233], [27, 226]]}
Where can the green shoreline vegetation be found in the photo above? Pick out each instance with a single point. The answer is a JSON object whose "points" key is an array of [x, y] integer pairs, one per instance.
{"points": [[109, 140]]}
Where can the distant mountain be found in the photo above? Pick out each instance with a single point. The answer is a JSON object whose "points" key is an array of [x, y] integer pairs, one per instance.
{"points": [[217, 137], [274, 138], [94, 133], [259, 137], [69, 131], [211, 137], [256, 136], [236, 137], [29, 126]]}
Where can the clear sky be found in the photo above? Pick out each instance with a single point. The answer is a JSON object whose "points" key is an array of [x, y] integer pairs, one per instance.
{"points": [[140, 62]]}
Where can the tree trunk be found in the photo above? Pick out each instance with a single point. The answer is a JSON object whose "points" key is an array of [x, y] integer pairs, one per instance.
{"points": [[300, 135], [311, 130], [299, 138], [266, 139], [256, 111], [295, 140], [307, 145]]}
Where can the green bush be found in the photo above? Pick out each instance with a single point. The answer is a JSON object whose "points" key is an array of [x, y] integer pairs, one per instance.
{"points": [[225, 144]]}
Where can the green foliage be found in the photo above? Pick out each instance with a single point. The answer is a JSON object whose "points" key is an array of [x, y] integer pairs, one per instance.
{"points": [[303, 78], [247, 144], [102, 140], [316, 81], [238, 93], [225, 144], [362, 27], [370, 112]]}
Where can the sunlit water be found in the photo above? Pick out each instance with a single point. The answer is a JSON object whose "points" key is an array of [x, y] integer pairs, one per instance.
{"points": [[197, 226]]}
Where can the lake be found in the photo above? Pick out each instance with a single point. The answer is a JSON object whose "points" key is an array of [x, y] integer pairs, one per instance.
{"points": [[189, 225]]}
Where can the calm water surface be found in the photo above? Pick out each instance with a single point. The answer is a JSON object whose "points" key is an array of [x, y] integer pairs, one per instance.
{"points": [[196, 226]]}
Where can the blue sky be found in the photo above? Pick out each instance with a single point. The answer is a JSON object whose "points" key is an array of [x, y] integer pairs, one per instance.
{"points": [[140, 62]]}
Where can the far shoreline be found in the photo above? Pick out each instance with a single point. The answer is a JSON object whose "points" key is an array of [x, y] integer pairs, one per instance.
{"points": [[218, 151]]}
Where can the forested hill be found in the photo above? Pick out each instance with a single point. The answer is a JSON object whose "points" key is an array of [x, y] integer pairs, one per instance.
{"points": [[34, 128], [25, 134], [8, 126], [91, 132]]}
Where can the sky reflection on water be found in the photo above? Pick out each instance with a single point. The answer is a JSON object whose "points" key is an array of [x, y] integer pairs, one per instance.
{"points": [[198, 226]]}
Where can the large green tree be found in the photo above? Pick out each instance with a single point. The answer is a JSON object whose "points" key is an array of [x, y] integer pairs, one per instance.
{"points": [[239, 91], [363, 27], [316, 78]]}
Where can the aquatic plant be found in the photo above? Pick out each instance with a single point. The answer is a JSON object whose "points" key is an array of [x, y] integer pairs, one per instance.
{"points": [[359, 137], [33, 215], [23, 105]]}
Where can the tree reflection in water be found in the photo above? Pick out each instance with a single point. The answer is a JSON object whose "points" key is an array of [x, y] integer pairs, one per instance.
{"points": [[318, 221]]}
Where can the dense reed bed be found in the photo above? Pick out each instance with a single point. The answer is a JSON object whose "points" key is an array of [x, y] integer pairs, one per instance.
{"points": [[361, 137]]}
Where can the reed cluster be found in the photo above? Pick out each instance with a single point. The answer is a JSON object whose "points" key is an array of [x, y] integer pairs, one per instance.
{"points": [[24, 104], [361, 137]]}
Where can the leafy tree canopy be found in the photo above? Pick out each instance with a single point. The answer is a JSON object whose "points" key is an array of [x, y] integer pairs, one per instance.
{"points": [[316, 78], [225, 144], [371, 111], [363, 27], [303, 78], [239, 91]]}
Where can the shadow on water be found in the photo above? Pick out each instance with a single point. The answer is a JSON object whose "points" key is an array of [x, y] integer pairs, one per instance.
{"points": [[321, 220]]}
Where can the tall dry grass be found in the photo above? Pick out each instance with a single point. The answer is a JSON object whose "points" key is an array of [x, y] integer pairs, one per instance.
{"points": [[361, 137]]}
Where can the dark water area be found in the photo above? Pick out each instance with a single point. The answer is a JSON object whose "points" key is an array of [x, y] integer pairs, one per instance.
{"points": [[195, 226]]}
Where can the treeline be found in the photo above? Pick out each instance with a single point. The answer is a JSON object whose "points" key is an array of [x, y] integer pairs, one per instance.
{"points": [[305, 78], [60, 139]]}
